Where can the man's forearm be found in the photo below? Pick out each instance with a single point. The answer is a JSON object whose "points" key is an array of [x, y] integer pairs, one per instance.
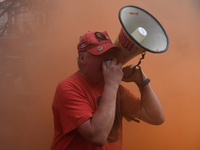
{"points": [[97, 128], [151, 108]]}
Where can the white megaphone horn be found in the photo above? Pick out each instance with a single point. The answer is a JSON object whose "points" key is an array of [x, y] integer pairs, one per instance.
{"points": [[141, 32]]}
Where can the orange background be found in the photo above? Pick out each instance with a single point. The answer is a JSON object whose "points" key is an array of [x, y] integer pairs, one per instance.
{"points": [[27, 123]]}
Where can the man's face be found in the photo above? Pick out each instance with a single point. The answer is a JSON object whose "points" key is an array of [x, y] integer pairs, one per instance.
{"points": [[94, 64]]}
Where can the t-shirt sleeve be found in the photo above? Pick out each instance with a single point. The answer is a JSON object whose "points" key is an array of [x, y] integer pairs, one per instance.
{"points": [[74, 109]]}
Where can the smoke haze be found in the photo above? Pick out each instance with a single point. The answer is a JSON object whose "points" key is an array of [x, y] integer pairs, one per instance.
{"points": [[32, 67]]}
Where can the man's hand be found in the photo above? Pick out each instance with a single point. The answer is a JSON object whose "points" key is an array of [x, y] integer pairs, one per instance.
{"points": [[113, 74], [133, 73]]}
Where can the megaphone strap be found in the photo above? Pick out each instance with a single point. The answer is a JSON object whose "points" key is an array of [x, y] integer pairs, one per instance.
{"points": [[143, 54]]}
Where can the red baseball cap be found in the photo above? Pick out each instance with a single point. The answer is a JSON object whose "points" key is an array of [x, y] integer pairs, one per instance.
{"points": [[95, 42]]}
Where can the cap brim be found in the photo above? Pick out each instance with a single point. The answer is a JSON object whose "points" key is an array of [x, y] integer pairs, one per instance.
{"points": [[102, 49]]}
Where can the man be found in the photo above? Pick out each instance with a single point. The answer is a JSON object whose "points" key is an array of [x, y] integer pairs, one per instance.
{"points": [[89, 105]]}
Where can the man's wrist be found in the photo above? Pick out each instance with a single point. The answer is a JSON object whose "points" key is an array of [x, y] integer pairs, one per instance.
{"points": [[144, 83]]}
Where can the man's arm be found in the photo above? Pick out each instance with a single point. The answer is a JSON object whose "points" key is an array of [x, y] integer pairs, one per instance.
{"points": [[97, 128], [151, 109]]}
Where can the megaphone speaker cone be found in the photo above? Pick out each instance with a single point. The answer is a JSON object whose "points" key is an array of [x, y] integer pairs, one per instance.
{"points": [[140, 32]]}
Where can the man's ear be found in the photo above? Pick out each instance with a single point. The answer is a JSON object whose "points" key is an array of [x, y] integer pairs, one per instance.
{"points": [[82, 58]]}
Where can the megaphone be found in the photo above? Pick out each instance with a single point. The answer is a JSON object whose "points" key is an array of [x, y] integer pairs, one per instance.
{"points": [[141, 32]]}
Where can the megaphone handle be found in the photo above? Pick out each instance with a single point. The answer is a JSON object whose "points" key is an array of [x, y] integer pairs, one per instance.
{"points": [[143, 54]]}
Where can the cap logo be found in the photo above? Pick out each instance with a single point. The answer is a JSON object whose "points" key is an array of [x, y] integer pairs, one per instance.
{"points": [[100, 36]]}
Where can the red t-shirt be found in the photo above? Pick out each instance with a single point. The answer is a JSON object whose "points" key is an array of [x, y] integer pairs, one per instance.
{"points": [[75, 101]]}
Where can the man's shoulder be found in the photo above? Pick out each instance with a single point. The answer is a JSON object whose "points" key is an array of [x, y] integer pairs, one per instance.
{"points": [[72, 79]]}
